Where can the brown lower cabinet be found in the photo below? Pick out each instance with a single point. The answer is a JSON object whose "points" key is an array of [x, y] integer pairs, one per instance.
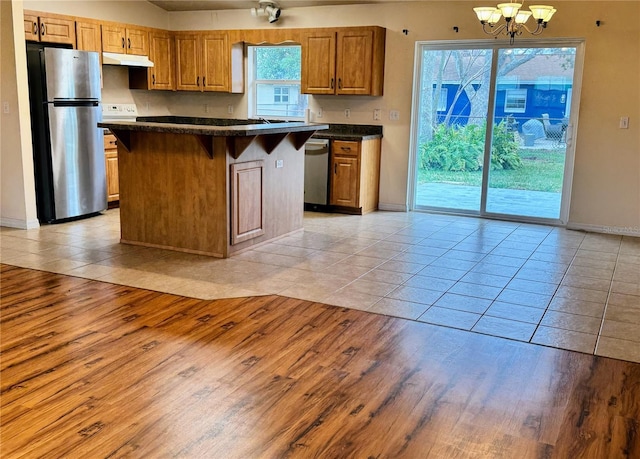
{"points": [[355, 175], [111, 165]]}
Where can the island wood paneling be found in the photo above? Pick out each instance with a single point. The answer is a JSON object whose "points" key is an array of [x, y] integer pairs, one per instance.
{"points": [[283, 188], [91, 369], [174, 195]]}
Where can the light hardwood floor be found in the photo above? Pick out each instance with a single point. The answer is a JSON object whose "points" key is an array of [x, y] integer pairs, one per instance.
{"points": [[91, 369]]}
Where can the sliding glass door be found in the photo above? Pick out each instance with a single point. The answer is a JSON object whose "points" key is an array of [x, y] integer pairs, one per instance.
{"points": [[514, 166]]}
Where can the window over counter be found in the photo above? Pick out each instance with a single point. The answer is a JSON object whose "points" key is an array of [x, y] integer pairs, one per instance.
{"points": [[274, 83]]}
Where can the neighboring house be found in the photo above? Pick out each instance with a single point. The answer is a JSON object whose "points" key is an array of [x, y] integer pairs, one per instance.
{"points": [[279, 99], [521, 93]]}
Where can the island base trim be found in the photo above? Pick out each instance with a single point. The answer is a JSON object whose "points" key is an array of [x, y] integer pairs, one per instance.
{"points": [[175, 249]]}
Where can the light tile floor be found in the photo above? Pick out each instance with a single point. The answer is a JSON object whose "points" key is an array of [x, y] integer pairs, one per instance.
{"points": [[534, 283]]}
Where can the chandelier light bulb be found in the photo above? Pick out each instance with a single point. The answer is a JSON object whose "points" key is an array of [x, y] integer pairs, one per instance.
{"points": [[523, 16], [540, 11], [509, 10]]}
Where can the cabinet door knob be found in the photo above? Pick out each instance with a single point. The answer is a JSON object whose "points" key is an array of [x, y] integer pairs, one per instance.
{"points": [[203, 83], [129, 42], [43, 29], [122, 42], [331, 83], [153, 78], [35, 28], [339, 83], [198, 82]]}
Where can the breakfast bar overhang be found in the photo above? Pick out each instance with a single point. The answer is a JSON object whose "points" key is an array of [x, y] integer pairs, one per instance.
{"points": [[210, 190]]}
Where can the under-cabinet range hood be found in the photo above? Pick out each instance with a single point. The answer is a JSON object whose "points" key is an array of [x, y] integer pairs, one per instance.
{"points": [[130, 60]]}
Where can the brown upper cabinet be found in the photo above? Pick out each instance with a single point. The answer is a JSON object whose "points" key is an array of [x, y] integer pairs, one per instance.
{"points": [[162, 54], [88, 37], [344, 61], [49, 28], [118, 38], [162, 75], [205, 61]]}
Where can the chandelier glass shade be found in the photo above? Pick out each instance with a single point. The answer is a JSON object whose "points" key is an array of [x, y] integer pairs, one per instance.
{"points": [[515, 19]]}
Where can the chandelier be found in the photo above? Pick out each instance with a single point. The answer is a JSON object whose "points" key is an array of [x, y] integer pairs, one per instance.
{"points": [[515, 19]]}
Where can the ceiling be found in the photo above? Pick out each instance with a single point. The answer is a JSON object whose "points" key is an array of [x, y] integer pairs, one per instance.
{"points": [[203, 5]]}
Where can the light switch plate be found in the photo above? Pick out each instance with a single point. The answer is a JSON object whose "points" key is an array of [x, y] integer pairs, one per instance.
{"points": [[5, 107], [624, 122], [279, 163]]}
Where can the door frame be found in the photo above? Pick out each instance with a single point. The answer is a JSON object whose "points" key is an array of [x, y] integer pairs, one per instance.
{"points": [[578, 43]]}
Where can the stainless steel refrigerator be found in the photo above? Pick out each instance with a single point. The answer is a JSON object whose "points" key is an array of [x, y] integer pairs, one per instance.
{"points": [[68, 148]]}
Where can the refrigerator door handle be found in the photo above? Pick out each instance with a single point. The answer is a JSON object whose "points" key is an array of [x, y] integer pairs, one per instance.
{"points": [[75, 103]]}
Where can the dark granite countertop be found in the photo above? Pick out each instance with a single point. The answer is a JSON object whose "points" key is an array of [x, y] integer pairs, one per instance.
{"points": [[171, 119], [234, 130], [354, 132]]}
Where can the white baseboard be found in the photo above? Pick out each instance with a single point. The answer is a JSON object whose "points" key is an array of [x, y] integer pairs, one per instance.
{"points": [[392, 207], [617, 230], [20, 224]]}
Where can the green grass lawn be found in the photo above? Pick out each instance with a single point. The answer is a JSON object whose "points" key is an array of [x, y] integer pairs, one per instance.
{"points": [[542, 170]]}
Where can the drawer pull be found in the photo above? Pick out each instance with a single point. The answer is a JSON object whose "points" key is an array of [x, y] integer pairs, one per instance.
{"points": [[35, 28], [331, 83], [129, 42], [335, 168], [345, 148], [122, 42], [43, 29]]}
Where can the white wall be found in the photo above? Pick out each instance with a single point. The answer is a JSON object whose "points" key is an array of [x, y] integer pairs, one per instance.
{"points": [[17, 187], [138, 12], [606, 185]]}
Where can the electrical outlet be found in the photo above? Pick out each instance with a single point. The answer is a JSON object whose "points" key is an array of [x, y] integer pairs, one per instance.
{"points": [[230, 109], [347, 113], [5, 107], [206, 108], [394, 115], [624, 122], [279, 163], [319, 113], [377, 114]]}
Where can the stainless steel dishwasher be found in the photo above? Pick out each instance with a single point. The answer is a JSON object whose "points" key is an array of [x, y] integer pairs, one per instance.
{"points": [[316, 175]]}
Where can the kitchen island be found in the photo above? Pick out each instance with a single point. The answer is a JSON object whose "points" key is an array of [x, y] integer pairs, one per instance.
{"points": [[209, 189]]}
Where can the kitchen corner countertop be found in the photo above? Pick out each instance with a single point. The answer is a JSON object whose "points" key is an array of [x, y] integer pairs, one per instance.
{"points": [[354, 132]]}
